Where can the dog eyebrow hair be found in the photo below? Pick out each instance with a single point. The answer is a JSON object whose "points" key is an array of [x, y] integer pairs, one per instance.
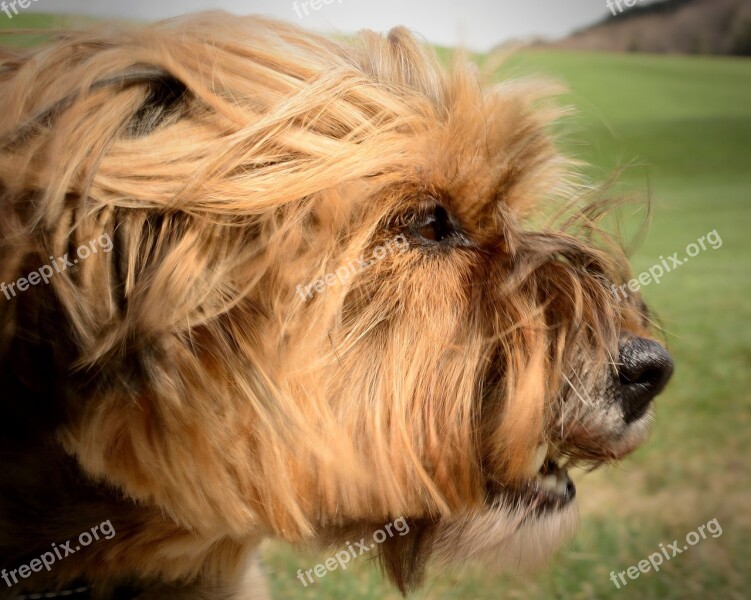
{"points": [[170, 90]]}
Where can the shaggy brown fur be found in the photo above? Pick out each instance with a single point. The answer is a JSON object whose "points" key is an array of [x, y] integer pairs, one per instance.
{"points": [[182, 388]]}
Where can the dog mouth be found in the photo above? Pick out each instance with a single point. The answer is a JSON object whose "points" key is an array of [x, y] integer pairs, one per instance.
{"points": [[547, 486]]}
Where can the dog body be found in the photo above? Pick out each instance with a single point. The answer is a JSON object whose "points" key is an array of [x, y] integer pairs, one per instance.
{"points": [[171, 189]]}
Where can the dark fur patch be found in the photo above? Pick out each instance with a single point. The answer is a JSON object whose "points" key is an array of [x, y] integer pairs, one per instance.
{"points": [[405, 559], [166, 95]]}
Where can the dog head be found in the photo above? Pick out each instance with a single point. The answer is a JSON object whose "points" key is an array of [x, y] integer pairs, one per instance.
{"points": [[346, 284]]}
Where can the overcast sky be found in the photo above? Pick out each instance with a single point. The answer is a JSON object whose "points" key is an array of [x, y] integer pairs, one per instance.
{"points": [[478, 24]]}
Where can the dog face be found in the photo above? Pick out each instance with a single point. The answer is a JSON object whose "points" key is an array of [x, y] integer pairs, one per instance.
{"points": [[346, 285]]}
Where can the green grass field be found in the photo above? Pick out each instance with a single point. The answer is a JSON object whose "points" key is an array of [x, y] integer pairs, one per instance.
{"points": [[25, 21], [684, 126]]}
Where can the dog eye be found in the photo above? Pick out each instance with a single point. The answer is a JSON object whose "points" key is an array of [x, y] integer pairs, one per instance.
{"points": [[434, 224]]}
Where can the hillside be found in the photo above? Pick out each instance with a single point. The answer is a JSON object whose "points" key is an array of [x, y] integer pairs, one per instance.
{"points": [[672, 26]]}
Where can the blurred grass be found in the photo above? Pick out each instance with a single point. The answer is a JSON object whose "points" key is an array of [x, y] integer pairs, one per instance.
{"points": [[33, 21], [684, 126]]}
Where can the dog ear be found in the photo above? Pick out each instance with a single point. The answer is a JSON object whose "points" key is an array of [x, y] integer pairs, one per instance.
{"points": [[27, 240], [164, 98]]}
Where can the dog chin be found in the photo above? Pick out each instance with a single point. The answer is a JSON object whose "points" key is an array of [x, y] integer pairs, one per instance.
{"points": [[634, 437], [506, 536]]}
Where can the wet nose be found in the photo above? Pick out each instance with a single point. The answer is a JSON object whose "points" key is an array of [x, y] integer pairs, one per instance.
{"points": [[645, 367]]}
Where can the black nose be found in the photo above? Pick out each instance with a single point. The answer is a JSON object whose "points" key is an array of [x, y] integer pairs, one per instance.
{"points": [[643, 371]]}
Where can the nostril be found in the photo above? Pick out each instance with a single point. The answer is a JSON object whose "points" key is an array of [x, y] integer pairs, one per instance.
{"points": [[653, 375], [645, 367]]}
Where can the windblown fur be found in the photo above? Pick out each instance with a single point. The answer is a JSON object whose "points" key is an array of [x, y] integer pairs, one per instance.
{"points": [[180, 385]]}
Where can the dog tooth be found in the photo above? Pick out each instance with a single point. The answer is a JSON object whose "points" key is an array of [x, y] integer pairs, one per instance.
{"points": [[561, 482], [538, 459], [549, 482]]}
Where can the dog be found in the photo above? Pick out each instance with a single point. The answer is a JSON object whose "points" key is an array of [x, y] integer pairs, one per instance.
{"points": [[175, 390]]}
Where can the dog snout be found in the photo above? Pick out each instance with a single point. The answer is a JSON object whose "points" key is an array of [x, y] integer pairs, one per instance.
{"points": [[645, 367]]}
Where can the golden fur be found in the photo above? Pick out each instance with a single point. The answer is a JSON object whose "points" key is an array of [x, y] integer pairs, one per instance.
{"points": [[231, 160]]}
